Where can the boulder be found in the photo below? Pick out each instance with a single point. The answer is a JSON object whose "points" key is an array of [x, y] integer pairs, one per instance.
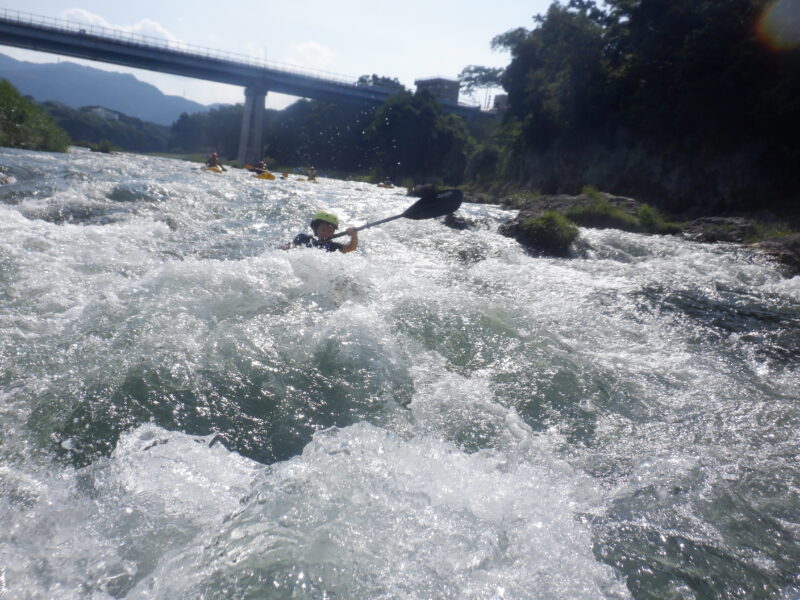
{"points": [[423, 190], [721, 229], [786, 250], [460, 222]]}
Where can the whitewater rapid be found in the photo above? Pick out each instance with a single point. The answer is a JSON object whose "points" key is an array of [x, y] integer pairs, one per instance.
{"points": [[190, 412]]}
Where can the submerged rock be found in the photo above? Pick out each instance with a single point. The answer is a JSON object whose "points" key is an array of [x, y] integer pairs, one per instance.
{"points": [[424, 190], [786, 250], [542, 228], [460, 222], [721, 229], [551, 234]]}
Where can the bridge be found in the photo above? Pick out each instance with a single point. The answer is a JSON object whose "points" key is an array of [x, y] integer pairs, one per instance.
{"points": [[57, 36]]}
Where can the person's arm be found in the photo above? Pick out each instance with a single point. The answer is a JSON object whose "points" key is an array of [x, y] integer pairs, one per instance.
{"points": [[353, 243]]}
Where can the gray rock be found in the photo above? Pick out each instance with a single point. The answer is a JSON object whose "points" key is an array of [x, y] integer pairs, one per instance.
{"points": [[721, 229], [785, 250]]}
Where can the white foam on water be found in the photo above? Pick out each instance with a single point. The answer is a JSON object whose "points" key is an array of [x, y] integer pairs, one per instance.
{"points": [[92, 532], [363, 513], [519, 409]]}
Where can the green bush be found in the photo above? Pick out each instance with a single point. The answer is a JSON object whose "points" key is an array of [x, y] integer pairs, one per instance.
{"points": [[592, 192], [551, 232], [652, 221], [601, 214], [25, 125]]}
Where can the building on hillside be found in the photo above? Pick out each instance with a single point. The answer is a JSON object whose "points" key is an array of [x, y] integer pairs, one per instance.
{"points": [[444, 90], [500, 103], [102, 112]]}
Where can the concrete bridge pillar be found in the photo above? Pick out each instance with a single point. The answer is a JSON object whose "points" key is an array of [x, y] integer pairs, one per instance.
{"points": [[250, 141]]}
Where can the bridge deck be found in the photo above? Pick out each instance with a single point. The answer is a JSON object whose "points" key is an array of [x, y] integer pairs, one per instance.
{"points": [[33, 32]]}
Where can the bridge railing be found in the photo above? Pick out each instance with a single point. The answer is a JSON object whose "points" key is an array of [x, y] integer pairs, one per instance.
{"points": [[176, 46]]}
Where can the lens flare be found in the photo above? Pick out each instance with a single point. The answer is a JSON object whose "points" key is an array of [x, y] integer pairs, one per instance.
{"points": [[779, 25]]}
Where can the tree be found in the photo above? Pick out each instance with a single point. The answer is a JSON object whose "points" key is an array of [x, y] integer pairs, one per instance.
{"points": [[556, 78], [188, 133], [410, 137], [327, 135], [25, 125], [377, 80]]}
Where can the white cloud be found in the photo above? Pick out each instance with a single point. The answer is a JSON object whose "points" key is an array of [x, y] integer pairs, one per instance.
{"points": [[84, 16], [313, 55], [145, 27]]}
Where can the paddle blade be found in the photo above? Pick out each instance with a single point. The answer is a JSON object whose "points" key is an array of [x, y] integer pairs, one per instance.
{"points": [[439, 205]]}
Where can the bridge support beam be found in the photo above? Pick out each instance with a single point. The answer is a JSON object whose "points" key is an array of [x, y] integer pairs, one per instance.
{"points": [[250, 139]]}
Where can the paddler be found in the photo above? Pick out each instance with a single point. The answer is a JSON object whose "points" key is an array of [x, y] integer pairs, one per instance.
{"points": [[213, 161], [324, 225]]}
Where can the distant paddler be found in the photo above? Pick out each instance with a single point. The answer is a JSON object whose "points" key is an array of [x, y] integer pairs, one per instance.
{"points": [[324, 226], [213, 163]]}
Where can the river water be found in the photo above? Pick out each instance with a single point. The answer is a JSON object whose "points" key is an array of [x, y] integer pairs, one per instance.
{"points": [[189, 412]]}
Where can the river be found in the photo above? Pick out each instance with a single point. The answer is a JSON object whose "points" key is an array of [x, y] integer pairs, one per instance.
{"points": [[189, 412]]}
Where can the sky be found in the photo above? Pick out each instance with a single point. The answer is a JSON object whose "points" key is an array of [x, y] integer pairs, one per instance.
{"points": [[403, 39]]}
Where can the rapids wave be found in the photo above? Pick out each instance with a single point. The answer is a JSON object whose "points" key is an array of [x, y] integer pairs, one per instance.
{"points": [[189, 412]]}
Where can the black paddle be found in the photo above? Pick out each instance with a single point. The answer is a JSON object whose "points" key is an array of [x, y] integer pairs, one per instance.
{"points": [[428, 207]]}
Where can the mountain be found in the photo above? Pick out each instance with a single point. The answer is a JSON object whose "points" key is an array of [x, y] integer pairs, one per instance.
{"points": [[77, 86]]}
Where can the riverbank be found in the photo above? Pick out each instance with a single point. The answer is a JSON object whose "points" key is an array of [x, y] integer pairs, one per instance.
{"points": [[778, 236]]}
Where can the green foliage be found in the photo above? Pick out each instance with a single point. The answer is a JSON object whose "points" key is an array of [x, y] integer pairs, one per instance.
{"points": [[689, 81], [652, 221], [520, 199], [476, 77], [25, 125], [188, 134], [482, 164], [602, 214], [217, 130], [411, 137], [326, 135], [127, 133], [407, 137], [551, 232], [555, 80], [377, 80], [592, 192]]}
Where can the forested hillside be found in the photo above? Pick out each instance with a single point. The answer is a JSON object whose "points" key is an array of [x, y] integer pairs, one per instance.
{"points": [[686, 103], [121, 131], [408, 137]]}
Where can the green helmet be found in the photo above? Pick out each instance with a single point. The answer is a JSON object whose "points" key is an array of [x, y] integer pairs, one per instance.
{"points": [[324, 217]]}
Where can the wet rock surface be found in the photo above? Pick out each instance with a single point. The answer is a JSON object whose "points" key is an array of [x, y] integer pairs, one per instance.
{"points": [[785, 250], [734, 229]]}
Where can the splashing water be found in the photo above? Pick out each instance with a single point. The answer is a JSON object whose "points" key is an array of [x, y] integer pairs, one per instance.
{"points": [[190, 412]]}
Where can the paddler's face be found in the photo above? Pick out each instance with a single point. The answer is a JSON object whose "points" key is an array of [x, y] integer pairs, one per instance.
{"points": [[325, 230]]}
